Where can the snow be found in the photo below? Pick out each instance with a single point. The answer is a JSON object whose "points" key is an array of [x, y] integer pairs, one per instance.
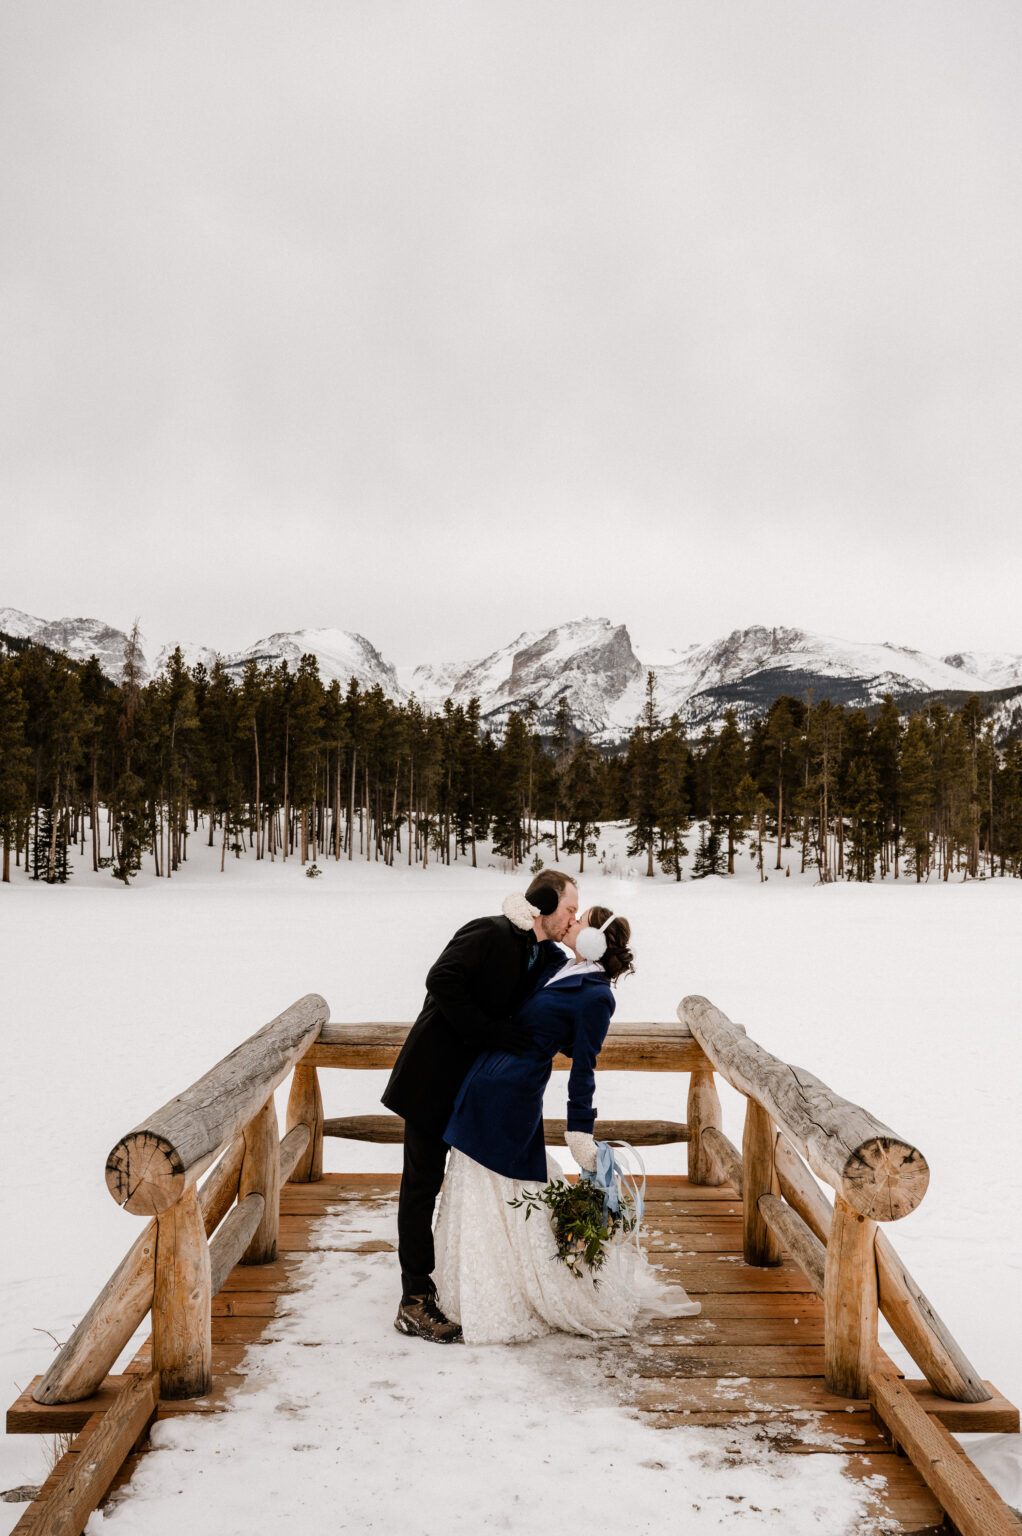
{"points": [[999, 669], [21, 625], [903, 998], [341, 656]]}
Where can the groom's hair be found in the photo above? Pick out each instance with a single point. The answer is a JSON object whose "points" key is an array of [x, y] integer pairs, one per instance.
{"points": [[553, 879]]}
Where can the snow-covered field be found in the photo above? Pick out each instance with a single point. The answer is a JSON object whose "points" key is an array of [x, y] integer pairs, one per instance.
{"points": [[903, 998]]}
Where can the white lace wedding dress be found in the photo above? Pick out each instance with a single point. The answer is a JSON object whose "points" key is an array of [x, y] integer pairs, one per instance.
{"points": [[499, 1275]]}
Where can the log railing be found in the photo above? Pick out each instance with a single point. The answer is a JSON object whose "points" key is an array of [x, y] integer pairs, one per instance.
{"points": [[792, 1119], [173, 1270], [191, 1243], [225, 1125]]}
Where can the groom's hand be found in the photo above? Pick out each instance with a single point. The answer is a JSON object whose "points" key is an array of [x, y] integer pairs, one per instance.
{"points": [[510, 1037]]}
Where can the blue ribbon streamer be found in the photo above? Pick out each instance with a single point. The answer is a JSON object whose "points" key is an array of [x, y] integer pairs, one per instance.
{"points": [[610, 1173]]}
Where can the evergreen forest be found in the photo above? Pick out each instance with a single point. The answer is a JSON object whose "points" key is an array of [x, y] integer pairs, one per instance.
{"points": [[276, 764]]}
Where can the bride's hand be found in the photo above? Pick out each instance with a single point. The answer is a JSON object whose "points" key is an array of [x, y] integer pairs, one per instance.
{"points": [[582, 1147]]}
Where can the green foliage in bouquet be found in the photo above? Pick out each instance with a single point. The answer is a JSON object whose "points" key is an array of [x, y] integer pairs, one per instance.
{"points": [[576, 1214]]}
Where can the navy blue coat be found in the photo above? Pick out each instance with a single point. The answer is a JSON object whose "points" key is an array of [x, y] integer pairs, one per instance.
{"points": [[477, 984], [498, 1114]]}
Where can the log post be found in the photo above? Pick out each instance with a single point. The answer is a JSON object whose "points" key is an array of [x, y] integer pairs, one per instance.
{"points": [[260, 1175], [726, 1156], [305, 1107], [703, 1114], [850, 1303], [759, 1244], [919, 1327], [90, 1352], [182, 1346]]}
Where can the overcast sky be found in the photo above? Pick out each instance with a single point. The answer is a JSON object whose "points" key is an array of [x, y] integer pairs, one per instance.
{"points": [[440, 321]]}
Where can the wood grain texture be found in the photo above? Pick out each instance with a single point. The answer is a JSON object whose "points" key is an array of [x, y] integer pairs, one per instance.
{"points": [[181, 1302], [27, 1416], [151, 1167], [627, 1048], [305, 1107], [959, 1486], [260, 1175], [995, 1415], [85, 1359], [915, 1321], [878, 1173], [850, 1308], [234, 1238], [292, 1148], [390, 1129], [69, 1503], [791, 1232], [760, 1245], [725, 1155], [704, 1114]]}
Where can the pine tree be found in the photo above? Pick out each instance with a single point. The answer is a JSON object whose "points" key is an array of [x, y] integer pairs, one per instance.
{"points": [[563, 731], [511, 790], [672, 807], [708, 860], [917, 796], [643, 771], [864, 809], [728, 772], [14, 762], [779, 741], [885, 750], [584, 795]]}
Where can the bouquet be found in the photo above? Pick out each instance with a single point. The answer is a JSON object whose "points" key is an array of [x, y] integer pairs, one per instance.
{"points": [[584, 1222]]}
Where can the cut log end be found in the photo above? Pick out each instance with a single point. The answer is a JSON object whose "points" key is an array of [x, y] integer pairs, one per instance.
{"points": [[885, 1178], [144, 1174]]}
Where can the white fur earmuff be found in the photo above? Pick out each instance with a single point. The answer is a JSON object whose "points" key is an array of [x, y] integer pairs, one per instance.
{"points": [[591, 943]]}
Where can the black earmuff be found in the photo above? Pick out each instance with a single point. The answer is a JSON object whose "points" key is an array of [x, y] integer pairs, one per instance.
{"points": [[545, 899]]}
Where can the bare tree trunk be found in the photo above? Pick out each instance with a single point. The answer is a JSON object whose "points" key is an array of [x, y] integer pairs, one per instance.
{"points": [[351, 808], [337, 806], [94, 815], [285, 850]]}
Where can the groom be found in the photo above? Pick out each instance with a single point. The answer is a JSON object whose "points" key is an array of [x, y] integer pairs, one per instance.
{"points": [[472, 992]]}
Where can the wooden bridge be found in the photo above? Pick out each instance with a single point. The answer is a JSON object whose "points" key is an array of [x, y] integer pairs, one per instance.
{"points": [[791, 1283]]}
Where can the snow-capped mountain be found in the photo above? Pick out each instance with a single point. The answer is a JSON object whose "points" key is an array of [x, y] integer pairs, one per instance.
{"points": [[341, 655], [591, 660], [749, 668], [78, 638], [999, 668], [594, 664], [604, 675]]}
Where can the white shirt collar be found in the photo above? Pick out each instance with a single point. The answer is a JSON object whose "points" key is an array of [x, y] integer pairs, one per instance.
{"points": [[573, 967]]}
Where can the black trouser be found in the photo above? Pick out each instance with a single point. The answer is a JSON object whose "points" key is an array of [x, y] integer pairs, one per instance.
{"points": [[421, 1178]]}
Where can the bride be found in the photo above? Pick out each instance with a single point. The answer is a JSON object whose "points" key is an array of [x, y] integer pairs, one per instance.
{"points": [[498, 1274]]}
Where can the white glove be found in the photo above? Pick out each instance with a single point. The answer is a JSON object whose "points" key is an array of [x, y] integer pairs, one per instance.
{"points": [[582, 1147]]}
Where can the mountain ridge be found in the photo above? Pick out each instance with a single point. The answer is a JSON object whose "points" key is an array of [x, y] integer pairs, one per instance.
{"points": [[593, 662]]}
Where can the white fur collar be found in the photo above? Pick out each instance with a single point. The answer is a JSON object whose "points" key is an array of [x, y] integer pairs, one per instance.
{"points": [[520, 912]]}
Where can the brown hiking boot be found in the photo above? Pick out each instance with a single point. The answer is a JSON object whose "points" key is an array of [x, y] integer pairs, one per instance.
{"points": [[422, 1318]]}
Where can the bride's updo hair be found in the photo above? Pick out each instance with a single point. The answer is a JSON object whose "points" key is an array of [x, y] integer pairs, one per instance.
{"points": [[617, 960]]}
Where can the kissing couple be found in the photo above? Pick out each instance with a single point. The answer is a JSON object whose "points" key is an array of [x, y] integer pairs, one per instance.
{"points": [[506, 996]]}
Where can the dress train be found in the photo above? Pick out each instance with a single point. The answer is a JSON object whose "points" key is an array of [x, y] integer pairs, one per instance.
{"points": [[500, 1277]]}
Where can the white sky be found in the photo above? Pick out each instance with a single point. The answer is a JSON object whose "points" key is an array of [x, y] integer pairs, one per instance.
{"points": [[443, 321]]}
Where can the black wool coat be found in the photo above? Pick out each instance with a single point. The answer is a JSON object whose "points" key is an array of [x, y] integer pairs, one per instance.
{"points": [[474, 988]]}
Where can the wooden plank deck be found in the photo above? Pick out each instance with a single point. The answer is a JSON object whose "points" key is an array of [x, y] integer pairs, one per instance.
{"points": [[751, 1363]]}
